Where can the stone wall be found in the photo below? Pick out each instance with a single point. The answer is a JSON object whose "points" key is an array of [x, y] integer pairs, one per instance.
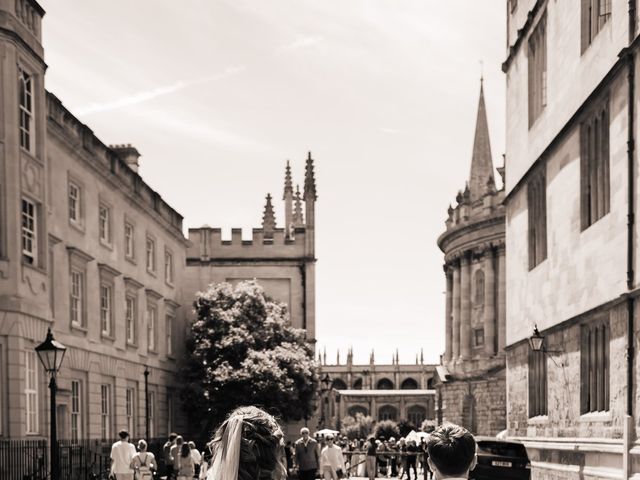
{"points": [[478, 404]]}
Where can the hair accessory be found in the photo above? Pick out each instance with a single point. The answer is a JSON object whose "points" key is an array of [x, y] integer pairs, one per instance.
{"points": [[226, 455]]}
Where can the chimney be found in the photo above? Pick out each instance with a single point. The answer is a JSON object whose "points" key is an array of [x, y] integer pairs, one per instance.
{"points": [[127, 154]]}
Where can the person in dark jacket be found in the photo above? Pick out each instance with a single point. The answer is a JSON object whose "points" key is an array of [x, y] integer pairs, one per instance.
{"points": [[307, 455]]}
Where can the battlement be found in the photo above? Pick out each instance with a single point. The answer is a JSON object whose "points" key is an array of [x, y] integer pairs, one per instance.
{"points": [[466, 212], [207, 244], [81, 139]]}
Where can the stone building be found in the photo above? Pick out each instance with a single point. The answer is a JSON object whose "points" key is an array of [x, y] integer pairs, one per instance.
{"points": [[471, 379], [86, 248], [572, 235], [384, 391], [90, 250], [282, 260]]}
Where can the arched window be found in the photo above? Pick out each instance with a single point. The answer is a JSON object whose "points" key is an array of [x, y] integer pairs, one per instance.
{"points": [[479, 288], [416, 414], [339, 384], [357, 409], [357, 384], [387, 412], [384, 384], [409, 384]]}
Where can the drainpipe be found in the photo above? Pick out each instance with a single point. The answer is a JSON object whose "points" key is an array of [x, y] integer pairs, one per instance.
{"points": [[628, 434]]}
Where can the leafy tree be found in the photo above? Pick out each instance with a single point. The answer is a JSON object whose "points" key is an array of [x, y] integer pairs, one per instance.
{"points": [[241, 350], [359, 427], [387, 428], [405, 427]]}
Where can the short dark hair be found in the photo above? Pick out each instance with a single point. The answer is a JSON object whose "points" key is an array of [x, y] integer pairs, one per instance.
{"points": [[172, 436], [451, 449], [123, 434]]}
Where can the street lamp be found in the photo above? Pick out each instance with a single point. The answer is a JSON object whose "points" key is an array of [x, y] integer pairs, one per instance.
{"points": [[324, 389], [146, 401], [51, 353], [536, 341]]}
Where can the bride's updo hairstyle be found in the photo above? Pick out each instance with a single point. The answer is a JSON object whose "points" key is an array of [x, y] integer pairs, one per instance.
{"points": [[249, 445]]}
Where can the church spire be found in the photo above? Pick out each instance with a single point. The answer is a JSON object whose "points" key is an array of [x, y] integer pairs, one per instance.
{"points": [[268, 219], [481, 164], [309, 181]]}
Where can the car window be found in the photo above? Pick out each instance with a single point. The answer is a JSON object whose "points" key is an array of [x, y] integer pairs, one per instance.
{"points": [[503, 449]]}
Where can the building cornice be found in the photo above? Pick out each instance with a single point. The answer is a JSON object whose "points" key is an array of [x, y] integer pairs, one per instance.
{"points": [[522, 34], [88, 159], [469, 227]]}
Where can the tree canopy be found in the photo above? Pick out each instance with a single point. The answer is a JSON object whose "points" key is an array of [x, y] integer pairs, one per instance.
{"points": [[241, 350]]}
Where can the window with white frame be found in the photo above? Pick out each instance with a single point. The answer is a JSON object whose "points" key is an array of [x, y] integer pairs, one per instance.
{"points": [[76, 298], [168, 266], [169, 333], [76, 410], [26, 110], [130, 318], [106, 308], [129, 241], [75, 203], [31, 392], [105, 411], [130, 409], [104, 223], [29, 232], [151, 255], [152, 323]]}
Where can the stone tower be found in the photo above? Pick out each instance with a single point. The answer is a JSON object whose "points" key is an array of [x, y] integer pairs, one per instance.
{"points": [[470, 380], [281, 259]]}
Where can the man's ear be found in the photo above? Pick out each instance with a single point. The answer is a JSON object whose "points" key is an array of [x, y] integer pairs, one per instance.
{"points": [[474, 462]]}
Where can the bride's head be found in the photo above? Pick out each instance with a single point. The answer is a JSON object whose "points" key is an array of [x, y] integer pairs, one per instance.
{"points": [[249, 445]]}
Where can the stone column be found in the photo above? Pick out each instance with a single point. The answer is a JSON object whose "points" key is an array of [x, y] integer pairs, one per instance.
{"points": [[448, 327], [465, 307], [455, 317], [502, 302], [489, 306]]}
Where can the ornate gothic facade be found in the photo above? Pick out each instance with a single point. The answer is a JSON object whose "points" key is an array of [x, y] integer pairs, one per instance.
{"points": [[471, 379]]}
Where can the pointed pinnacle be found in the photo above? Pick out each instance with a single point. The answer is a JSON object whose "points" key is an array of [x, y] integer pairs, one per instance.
{"points": [[288, 185], [268, 218], [309, 181]]}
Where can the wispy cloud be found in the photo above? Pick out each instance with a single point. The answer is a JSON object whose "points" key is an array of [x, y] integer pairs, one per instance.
{"points": [[147, 95], [302, 42]]}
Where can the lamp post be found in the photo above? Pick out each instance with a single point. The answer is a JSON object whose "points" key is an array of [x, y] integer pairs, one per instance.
{"points": [[324, 389], [51, 353], [146, 401]]}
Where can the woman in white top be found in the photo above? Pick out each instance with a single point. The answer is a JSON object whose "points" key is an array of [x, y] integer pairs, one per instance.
{"points": [[144, 463], [331, 460]]}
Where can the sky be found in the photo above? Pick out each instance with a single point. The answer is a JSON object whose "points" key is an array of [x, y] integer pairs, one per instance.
{"points": [[218, 94]]}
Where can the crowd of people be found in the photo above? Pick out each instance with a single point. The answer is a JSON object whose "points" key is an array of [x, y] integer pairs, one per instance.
{"points": [[250, 445], [180, 460], [337, 458]]}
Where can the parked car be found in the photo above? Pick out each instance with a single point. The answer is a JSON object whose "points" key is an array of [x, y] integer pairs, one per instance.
{"points": [[501, 459]]}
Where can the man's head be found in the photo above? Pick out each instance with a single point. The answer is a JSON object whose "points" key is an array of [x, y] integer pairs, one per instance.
{"points": [[123, 434], [452, 451], [329, 439], [304, 431], [179, 440], [172, 436]]}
